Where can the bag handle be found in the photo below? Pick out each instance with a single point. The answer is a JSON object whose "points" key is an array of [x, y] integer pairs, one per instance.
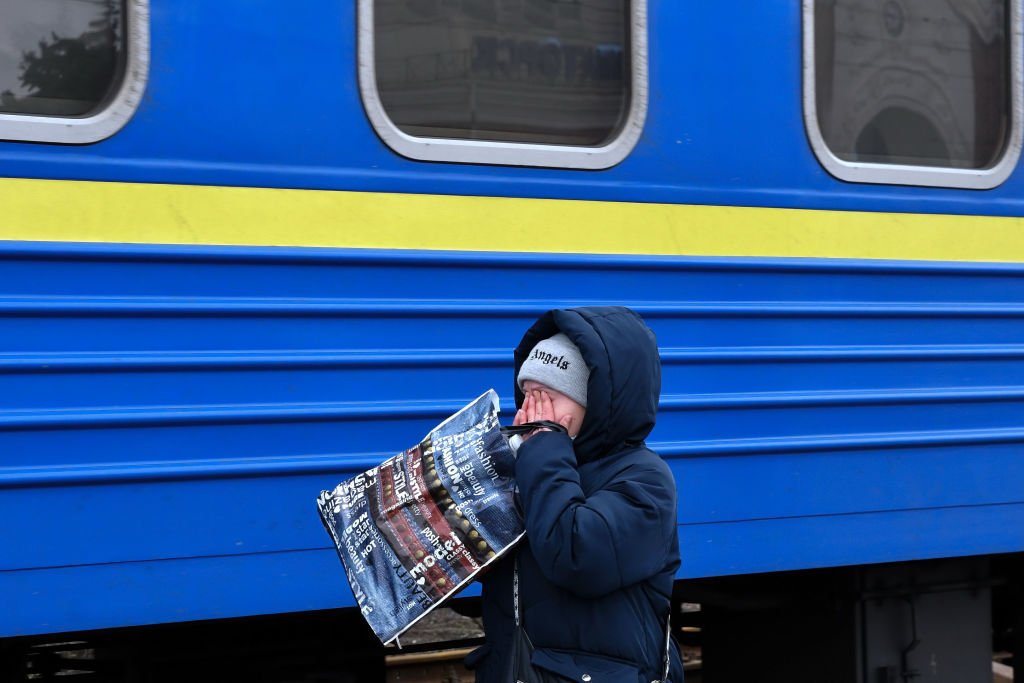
{"points": [[528, 427]]}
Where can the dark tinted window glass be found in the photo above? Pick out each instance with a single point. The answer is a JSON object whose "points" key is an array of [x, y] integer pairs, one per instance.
{"points": [[919, 82], [59, 57], [546, 71]]}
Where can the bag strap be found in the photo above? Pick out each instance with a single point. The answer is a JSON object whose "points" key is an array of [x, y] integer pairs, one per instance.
{"points": [[515, 594], [668, 644]]}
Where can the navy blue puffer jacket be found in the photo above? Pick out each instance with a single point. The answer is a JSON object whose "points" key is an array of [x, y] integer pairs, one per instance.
{"points": [[597, 566]]}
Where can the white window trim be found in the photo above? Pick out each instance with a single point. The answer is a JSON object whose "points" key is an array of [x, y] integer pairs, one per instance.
{"points": [[117, 112], [508, 153], [897, 174]]}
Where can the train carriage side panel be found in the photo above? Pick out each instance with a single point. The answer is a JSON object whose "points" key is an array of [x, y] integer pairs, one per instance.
{"points": [[245, 296]]}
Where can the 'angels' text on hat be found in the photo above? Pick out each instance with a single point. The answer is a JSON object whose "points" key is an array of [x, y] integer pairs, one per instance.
{"points": [[549, 359]]}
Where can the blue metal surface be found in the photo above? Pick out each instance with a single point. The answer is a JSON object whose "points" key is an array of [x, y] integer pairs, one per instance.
{"points": [[167, 414], [274, 102]]}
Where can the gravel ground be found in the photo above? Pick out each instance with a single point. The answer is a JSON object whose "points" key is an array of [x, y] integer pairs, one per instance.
{"points": [[442, 625]]}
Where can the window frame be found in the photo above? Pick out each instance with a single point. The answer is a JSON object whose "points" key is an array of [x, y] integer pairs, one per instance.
{"points": [[900, 174], [493, 152], [80, 130]]}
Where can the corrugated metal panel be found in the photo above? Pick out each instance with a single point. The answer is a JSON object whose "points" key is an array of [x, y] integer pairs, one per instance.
{"points": [[167, 415]]}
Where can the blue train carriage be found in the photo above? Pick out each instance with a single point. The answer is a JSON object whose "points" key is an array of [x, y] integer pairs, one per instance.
{"points": [[250, 248]]}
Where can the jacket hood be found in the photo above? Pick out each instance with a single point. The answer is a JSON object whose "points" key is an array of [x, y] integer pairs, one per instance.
{"points": [[625, 374]]}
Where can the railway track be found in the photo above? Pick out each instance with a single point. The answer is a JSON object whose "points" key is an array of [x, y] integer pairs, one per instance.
{"points": [[445, 666]]}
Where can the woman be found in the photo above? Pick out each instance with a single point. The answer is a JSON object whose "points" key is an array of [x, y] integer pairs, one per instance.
{"points": [[601, 550]]}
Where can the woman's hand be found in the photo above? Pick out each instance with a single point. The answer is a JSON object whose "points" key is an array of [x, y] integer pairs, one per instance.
{"points": [[537, 406]]}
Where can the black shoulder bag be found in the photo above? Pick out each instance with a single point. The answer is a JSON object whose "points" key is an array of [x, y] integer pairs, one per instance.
{"points": [[529, 665]]}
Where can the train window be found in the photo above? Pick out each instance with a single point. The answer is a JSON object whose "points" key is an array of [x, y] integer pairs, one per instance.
{"points": [[914, 92], [71, 71], [522, 82]]}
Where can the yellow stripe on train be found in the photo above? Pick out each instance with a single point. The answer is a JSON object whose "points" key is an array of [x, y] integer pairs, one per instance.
{"points": [[73, 211]]}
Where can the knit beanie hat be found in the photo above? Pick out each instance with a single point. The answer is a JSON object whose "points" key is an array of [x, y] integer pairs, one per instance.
{"points": [[556, 363]]}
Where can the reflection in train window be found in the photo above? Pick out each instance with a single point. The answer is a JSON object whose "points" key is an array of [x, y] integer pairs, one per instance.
{"points": [[523, 71], [913, 82], [60, 57]]}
